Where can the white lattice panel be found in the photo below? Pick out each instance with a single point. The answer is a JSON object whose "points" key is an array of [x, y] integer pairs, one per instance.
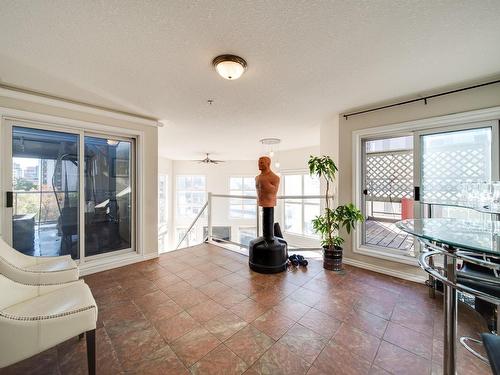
{"points": [[443, 171], [389, 175]]}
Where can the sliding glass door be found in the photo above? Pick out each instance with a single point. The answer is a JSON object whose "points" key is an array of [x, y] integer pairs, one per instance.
{"points": [[448, 157], [109, 195], [68, 192], [45, 192]]}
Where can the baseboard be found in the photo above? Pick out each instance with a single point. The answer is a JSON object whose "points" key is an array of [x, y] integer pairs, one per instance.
{"points": [[105, 264], [386, 271]]}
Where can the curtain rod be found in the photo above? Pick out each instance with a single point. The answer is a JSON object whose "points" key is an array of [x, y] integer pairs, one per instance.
{"points": [[72, 101], [424, 99]]}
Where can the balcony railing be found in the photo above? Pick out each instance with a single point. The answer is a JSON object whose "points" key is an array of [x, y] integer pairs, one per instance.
{"points": [[235, 219]]}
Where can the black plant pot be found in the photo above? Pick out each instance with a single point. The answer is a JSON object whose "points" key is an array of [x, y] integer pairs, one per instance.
{"points": [[332, 258]]}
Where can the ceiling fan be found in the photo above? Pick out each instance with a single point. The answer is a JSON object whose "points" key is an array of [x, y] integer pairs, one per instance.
{"points": [[208, 160]]}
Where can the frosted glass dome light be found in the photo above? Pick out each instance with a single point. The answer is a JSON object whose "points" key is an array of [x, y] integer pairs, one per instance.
{"points": [[230, 67]]}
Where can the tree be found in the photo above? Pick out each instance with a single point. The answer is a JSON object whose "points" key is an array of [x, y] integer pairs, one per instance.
{"points": [[24, 185]]}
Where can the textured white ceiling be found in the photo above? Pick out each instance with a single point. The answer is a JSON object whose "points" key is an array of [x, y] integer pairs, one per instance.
{"points": [[307, 60]]}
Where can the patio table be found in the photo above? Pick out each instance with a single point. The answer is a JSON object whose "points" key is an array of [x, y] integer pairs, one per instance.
{"points": [[473, 241]]}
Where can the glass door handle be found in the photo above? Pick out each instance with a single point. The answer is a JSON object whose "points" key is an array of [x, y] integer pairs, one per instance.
{"points": [[416, 193], [9, 199], [365, 191]]}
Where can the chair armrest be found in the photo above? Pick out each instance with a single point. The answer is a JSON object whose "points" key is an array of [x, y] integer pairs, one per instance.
{"points": [[14, 292]]}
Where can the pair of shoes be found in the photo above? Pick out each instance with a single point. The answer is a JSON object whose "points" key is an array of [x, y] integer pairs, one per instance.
{"points": [[297, 260]]}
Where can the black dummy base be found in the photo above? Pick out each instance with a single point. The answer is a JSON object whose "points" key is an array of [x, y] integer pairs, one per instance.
{"points": [[268, 254]]}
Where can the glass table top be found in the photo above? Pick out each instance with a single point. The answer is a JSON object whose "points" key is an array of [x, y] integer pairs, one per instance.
{"points": [[486, 209], [480, 236]]}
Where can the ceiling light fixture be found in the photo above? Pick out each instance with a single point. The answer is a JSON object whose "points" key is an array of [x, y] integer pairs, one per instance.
{"points": [[271, 148], [230, 67]]}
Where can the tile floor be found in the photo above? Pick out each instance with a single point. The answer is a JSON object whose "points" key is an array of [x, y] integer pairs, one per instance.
{"points": [[201, 310]]}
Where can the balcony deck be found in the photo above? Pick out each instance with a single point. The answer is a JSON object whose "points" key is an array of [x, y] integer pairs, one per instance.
{"points": [[201, 309], [386, 234]]}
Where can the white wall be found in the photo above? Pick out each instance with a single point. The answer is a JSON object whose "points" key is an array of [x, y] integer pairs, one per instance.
{"points": [[336, 140]]}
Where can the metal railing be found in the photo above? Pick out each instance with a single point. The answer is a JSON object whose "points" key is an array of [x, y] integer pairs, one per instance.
{"points": [[208, 207]]}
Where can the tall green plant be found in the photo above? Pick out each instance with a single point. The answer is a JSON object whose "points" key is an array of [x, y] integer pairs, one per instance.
{"points": [[329, 224]]}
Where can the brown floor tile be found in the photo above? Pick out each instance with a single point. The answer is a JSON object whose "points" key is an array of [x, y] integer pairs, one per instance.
{"points": [[249, 310], [167, 281], [247, 287], [376, 307], [320, 323], [267, 297], [319, 286], [413, 319], [110, 296], [176, 326], [162, 361], [410, 340], [335, 359], [150, 300], [378, 371], [72, 355], [315, 371], [189, 298], [399, 361], [141, 307], [206, 310], [44, 363], [177, 288], [229, 298], [194, 345], [155, 274], [138, 287], [303, 342], [249, 344], [119, 314], [224, 325], [231, 279], [162, 311], [213, 288], [367, 322], [220, 361], [291, 309], [134, 344], [357, 342], [273, 324], [298, 276], [279, 360], [336, 308], [306, 297]]}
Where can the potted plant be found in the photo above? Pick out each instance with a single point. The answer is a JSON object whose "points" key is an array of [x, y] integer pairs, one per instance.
{"points": [[332, 221]]}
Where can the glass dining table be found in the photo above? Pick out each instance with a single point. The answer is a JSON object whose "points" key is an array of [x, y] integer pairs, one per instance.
{"points": [[477, 242]]}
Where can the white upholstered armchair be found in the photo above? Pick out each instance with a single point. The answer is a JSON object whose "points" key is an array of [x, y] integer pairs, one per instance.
{"points": [[36, 318], [36, 270]]}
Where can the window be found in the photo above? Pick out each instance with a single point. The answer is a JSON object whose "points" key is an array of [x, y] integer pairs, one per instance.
{"points": [[299, 213], [242, 208], [190, 195], [162, 212]]}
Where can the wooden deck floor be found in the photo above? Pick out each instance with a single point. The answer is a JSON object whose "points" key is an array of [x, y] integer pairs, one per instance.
{"points": [[386, 234]]}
